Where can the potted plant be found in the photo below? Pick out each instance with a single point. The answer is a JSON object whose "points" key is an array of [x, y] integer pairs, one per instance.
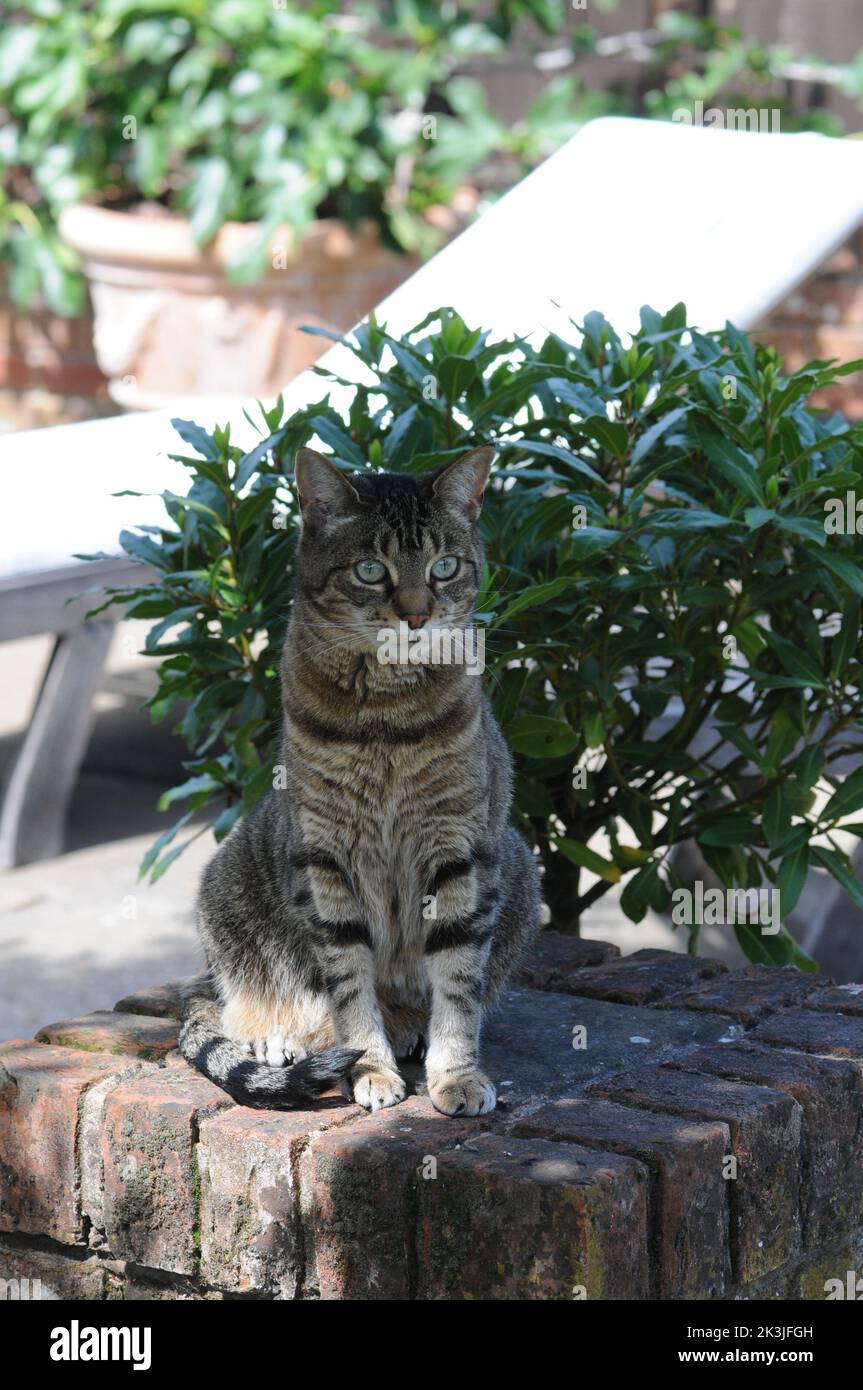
{"points": [[227, 172], [672, 627]]}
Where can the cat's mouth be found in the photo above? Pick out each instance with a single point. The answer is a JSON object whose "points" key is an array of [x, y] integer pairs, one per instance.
{"points": [[392, 641]]}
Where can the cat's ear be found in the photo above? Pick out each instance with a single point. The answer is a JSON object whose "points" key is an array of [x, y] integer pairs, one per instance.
{"points": [[460, 484], [324, 491]]}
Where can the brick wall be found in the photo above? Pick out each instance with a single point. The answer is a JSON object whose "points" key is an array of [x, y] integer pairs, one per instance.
{"points": [[666, 1129], [824, 318], [48, 369]]}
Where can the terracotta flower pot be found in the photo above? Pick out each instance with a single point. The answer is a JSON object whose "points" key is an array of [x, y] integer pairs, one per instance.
{"points": [[169, 323]]}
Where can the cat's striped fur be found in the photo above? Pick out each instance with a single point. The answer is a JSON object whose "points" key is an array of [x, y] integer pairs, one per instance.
{"points": [[379, 899]]}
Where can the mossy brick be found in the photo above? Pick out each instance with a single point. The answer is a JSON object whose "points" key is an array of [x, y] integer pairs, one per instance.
{"points": [[829, 1092], [688, 1197], [543, 1045], [160, 1001], [90, 1159], [839, 999], [187, 1197], [32, 1275], [149, 1162], [806, 1030], [554, 958], [138, 1288], [765, 1129], [136, 1035], [748, 995], [41, 1092], [829, 1273], [642, 978], [833, 1273], [250, 1217], [360, 1185], [524, 1219]]}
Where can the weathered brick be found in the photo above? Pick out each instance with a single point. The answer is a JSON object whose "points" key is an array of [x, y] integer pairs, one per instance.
{"points": [[41, 1090], [834, 1273], [150, 1182], [570, 1183], [845, 398], [841, 295], [688, 1198], [829, 1273], [138, 1035], [528, 1045], [90, 1161], [845, 261], [643, 977], [554, 957], [843, 341], [765, 1127], [748, 995], [161, 1001], [48, 368], [250, 1222], [33, 1275], [509, 1218], [833, 1035], [777, 1287], [136, 1288], [838, 999], [360, 1184], [830, 1095]]}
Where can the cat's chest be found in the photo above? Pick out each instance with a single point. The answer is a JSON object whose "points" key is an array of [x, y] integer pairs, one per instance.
{"points": [[391, 817], [393, 812], [411, 802]]}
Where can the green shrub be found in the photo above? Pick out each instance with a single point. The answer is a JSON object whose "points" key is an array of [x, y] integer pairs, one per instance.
{"points": [[248, 110], [664, 607]]}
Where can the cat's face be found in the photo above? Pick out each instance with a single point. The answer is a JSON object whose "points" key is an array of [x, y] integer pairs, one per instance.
{"points": [[379, 549]]}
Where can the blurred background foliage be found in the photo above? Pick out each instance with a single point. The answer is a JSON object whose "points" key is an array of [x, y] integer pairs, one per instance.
{"points": [[281, 112]]}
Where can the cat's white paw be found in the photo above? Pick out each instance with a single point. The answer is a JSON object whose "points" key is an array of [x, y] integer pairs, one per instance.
{"points": [[471, 1094], [376, 1089], [276, 1050]]}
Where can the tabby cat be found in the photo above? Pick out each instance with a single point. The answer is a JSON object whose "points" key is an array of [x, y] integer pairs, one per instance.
{"points": [[375, 903]]}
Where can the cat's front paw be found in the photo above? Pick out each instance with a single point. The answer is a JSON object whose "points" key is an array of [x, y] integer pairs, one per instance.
{"points": [[374, 1088], [470, 1094]]}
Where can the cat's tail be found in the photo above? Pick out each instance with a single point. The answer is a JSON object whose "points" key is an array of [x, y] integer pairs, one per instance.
{"points": [[248, 1082]]}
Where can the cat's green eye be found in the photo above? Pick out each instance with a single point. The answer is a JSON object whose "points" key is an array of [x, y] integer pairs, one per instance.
{"points": [[445, 567], [370, 571]]}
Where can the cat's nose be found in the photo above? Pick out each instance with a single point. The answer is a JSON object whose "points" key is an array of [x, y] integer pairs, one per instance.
{"points": [[412, 606]]}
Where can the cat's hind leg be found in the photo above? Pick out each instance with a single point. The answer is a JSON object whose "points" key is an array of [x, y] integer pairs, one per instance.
{"points": [[276, 1031], [518, 920], [406, 1026], [276, 1049], [227, 1061]]}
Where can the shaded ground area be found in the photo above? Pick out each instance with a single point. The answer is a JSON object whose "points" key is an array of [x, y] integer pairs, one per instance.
{"points": [[80, 930], [75, 929]]}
